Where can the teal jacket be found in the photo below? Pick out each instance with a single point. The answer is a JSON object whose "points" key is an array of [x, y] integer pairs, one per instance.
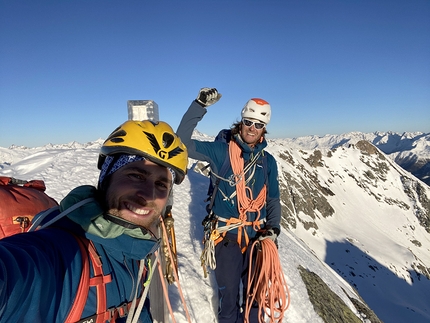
{"points": [[215, 152], [40, 271]]}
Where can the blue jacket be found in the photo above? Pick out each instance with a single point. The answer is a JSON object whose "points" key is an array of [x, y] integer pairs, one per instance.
{"points": [[215, 152], [40, 271]]}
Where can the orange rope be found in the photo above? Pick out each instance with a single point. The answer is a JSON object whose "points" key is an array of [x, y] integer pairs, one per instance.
{"points": [[269, 289], [244, 203]]}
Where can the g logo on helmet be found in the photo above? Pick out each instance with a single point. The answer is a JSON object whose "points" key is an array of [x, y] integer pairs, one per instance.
{"points": [[162, 154]]}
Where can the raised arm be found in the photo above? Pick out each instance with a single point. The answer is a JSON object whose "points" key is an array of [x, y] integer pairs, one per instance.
{"points": [[195, 113]]}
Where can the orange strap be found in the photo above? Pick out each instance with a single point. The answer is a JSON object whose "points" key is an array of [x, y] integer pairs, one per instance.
{"points": [[84, 285], [99, 281]]}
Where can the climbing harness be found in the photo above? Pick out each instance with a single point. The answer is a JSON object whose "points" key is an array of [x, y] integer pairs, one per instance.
{"points": [[214, 234], [245, 201], [234, 179]]}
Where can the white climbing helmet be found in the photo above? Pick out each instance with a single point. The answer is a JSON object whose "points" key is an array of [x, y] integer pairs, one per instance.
{"points": [[258, 109]]}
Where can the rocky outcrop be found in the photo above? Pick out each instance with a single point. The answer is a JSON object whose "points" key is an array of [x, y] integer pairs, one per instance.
{"points": [[330, 307]]}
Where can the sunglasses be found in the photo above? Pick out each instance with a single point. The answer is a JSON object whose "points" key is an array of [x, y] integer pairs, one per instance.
{"points": [[249, 123]]}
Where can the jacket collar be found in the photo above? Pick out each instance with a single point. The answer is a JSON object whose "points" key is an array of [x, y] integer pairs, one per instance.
{"points": [[246, 149], [133, 243]]}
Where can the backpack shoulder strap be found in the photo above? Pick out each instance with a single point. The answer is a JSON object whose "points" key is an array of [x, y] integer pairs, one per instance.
{"points": [[224, 167], [222, 172], [84, 284], [223, 136], [265, 168], [98, 280]]}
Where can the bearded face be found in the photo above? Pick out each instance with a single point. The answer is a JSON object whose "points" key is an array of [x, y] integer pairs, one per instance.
{"points": [[138, 192]]}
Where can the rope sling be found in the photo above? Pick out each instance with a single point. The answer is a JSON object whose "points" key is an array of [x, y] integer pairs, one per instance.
{"points": [[245, 203]]}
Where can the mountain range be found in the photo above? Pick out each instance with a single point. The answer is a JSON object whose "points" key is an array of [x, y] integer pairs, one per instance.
{"points": [[411, 150]]}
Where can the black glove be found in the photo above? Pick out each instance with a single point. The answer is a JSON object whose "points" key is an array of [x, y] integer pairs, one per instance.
{"points": [[208, 96], [269, 233]]}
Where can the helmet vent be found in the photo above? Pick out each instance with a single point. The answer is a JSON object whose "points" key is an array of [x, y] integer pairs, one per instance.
{"points": [[116, 136], [167, 139]]}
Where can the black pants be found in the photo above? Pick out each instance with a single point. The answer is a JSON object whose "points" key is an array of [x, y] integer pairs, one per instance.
{"points": [[231, 269]]}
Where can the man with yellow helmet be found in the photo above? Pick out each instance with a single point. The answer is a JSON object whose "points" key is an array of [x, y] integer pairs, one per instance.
{"points": [[109, 228]]}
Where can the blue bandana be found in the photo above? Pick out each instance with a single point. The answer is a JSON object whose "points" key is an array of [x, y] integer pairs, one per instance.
{"points": [[113, 163]]}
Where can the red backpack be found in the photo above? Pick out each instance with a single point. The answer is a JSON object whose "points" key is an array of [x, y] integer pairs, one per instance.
{"points": [[20, 201]]}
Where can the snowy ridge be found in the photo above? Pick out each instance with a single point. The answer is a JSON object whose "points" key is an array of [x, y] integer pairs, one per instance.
{"points": [[411, 150], [388, 142], [350, 215]]}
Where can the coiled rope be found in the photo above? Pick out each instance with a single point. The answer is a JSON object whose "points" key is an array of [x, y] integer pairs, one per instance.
{"points": [[245, 201], [266, 283]]}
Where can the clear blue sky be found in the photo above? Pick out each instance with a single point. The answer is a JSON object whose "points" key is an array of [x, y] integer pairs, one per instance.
{"points": [[67, 68]]}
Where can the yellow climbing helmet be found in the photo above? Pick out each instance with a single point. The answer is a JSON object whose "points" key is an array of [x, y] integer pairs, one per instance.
{"points": [[153, 140]]}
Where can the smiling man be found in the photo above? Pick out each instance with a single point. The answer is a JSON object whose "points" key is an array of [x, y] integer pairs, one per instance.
{"points": [[138, 193], [108, 234], [245, 203]]}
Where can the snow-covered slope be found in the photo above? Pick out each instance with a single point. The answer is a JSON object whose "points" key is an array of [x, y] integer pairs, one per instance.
{"points": [[351, 216], [367, 218]]}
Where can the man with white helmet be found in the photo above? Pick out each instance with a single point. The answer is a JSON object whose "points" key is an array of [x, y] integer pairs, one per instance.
{"points": [[245, 204]]}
